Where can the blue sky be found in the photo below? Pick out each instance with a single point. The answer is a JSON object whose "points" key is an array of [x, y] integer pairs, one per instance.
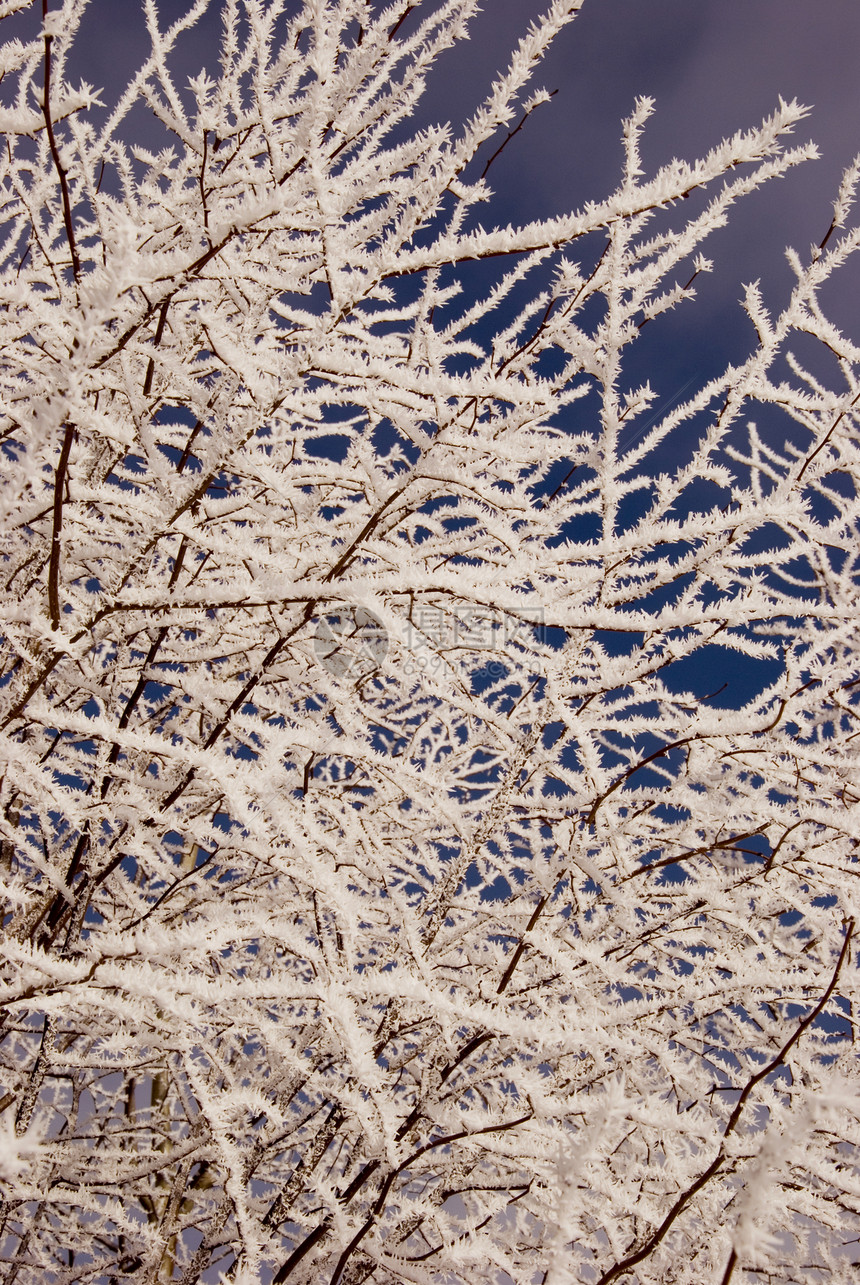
{"points": [[713, 66]]}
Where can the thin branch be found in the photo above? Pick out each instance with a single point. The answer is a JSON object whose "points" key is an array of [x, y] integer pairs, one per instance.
{"points": [[54, 562], [730, 1267], [521, 945], [55, 153], [512, 133], [637, 1256], [159, 331], [379, 1204], [400, 21]]}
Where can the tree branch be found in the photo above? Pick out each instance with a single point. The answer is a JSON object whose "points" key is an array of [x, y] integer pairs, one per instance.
{"points": [[681, 1203], [54, 560], [55, 154]]}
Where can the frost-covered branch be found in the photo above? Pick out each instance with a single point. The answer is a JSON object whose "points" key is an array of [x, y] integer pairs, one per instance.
{"points": [[393, 888]]}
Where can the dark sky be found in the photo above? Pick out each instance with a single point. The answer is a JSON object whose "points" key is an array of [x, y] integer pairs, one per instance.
{"points": [[713, 66]]}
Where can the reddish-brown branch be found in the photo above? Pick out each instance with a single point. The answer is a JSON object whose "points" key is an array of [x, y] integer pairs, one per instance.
{"points": [[521, 945], [400, 21], [54, 561], [731, 842], [299, 1252], [55, 153], [511, 134], [821, 445], [634, 767], [379, 1204], [681, 1203], [730, 1267], [159, 331]]}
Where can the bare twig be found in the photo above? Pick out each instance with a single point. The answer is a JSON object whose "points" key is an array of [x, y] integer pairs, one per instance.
{"points": [[54, 562], [55, 153], [512, 133]]}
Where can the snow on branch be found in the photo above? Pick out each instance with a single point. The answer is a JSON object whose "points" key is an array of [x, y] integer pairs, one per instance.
{"points": [[429, 794]]}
